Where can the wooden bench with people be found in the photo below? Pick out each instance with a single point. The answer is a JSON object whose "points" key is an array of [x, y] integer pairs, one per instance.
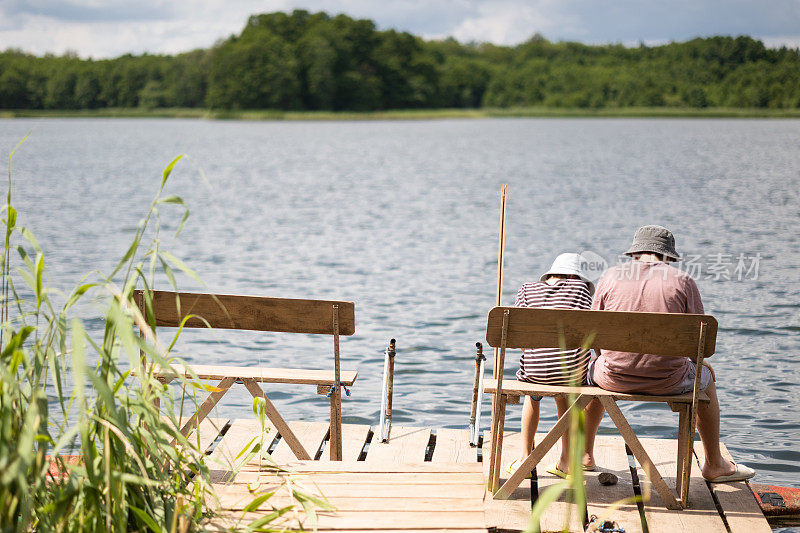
{"points": [[646, 323], [666, 334]]}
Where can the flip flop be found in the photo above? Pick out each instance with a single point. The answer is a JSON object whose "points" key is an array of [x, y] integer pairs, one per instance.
{"points": [[556, 471], [740, 474], [513, 466]]}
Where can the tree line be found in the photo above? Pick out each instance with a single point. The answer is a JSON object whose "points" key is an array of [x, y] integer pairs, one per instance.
{"points": [[314, 61]]}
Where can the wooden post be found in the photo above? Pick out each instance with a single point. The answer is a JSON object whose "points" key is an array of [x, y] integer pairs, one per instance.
{"points": [[684, 413], [500, 412], [387, 392], [474, 415], [390, 390], [498, 303], [689, 435], [336, 394]]}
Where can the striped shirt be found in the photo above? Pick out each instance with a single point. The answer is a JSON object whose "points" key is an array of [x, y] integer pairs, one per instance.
{"points": [[551, 366]]}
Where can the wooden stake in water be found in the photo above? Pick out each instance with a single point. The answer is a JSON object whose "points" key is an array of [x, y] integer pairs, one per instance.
{"points": [[498, 303]]}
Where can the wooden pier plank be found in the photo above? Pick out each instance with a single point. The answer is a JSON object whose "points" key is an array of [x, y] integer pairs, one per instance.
{"points": [[237, 501], [514, 514], [354, 437], [702, 513], [406, 445], [742, 512], [311, 467], [610, 456], [209, 430], [396, 489], [452, 446], [373, 520], [362, 490], [241, 432], [561, 512], [354, 478], [310, 434], [369, 498]]}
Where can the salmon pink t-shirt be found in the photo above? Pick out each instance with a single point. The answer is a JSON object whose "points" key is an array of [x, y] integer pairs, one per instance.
{"points": [[645, 287]]}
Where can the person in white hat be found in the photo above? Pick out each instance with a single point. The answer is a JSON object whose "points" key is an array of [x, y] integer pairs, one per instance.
{"points": [[563, 286]]}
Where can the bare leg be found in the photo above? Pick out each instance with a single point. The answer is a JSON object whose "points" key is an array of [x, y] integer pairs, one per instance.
{"points": [[594, 415], [563, 460], [530, 421], [708, 426]]}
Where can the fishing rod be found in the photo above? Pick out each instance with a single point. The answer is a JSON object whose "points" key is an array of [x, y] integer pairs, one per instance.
{"points": [[496, 425]]}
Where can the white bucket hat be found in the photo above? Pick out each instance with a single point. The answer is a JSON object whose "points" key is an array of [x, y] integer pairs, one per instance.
{"points": [[569, 264]]}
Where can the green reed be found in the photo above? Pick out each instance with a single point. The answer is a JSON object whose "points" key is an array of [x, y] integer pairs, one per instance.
{"points": [[574, 487], [136, 471]]}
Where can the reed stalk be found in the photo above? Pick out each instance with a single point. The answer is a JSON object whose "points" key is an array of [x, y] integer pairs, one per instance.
{"points": [[62, 387]]}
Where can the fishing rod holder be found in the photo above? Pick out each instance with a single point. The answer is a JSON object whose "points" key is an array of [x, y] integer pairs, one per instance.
{"points": [[477, 397], [385, 423]]}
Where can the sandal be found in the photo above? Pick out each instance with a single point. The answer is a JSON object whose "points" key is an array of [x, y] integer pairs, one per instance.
{"points": [[740, 474], [514, 465], [556, 471]]}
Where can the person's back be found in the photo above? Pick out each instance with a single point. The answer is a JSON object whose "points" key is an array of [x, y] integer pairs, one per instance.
{"points": [[654, 287], [649, 284], [564, 286], [551, 366]]}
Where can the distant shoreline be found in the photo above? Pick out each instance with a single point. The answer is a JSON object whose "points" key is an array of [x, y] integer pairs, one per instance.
{"points": [[406, 114]]}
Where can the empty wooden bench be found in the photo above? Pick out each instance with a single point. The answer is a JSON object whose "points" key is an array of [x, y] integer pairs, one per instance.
{"points": [[666, 334], [221, 311]]}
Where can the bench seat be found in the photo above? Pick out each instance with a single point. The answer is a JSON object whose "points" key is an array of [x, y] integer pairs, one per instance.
{"points": [[300, 376], [524, 388]]}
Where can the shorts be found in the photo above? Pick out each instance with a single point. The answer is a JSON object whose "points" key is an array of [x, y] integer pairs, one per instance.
{"points": [[687, 385]]}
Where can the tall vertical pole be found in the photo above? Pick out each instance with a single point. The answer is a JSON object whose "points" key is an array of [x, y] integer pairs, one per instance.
{"points": [[335, 443], [477, 396], [498, 303], [385, 421]]}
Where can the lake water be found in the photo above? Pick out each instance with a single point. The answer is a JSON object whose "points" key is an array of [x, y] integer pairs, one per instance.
{"points": [[402, 218]]}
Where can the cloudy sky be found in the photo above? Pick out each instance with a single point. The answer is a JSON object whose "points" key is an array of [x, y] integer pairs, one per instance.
{"points": [[108, 28]]}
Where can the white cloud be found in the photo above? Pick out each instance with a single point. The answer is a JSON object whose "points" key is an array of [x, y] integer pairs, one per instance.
{"points": [[502, 26], [108, 28], [789, 41]]}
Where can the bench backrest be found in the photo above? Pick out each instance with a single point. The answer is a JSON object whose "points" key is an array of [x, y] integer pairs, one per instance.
{"points": [[224, 311], [669, 334]]}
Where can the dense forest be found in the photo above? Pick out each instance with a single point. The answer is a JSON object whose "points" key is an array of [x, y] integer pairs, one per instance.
{"points": [[313, 61]]}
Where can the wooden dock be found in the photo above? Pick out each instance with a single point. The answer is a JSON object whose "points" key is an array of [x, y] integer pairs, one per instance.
{"points": [[432, 480]]}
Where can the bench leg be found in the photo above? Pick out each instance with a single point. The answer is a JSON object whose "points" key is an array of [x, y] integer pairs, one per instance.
{"points": [[497, 443], [335, 443], [684, 453], [277, 420], [539, 451], [639, 452], [207, 405], [157, 401]]}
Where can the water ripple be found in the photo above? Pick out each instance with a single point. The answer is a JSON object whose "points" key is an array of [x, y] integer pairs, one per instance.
{"points": [[402, 218]]}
